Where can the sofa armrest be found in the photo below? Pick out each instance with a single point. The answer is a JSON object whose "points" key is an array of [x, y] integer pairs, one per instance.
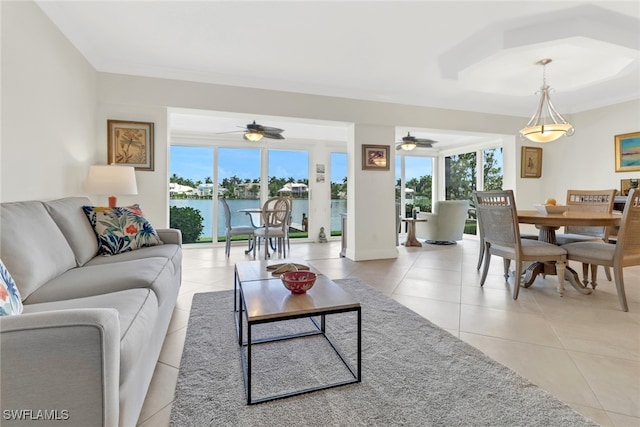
{"points": [[67, 361], [170, 235]]}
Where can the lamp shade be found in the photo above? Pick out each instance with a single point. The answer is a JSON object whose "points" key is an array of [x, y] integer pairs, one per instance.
{"points": [[111, 179]]}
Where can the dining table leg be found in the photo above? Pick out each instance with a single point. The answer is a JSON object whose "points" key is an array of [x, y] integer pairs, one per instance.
{"points": [[549, 268], [548, 234]]}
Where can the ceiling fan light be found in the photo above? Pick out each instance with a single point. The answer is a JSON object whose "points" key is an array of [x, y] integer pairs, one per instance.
{"points": [[253, 136], [408, 146]]}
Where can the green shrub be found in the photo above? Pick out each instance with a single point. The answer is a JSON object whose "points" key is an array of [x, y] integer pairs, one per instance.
{"points": [[188, 220]]}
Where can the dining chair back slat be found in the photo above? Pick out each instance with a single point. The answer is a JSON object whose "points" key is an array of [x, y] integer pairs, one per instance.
{"points": [[590, 201]]}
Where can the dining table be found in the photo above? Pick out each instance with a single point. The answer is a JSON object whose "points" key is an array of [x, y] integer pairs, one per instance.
{"points": [[547, 224]]}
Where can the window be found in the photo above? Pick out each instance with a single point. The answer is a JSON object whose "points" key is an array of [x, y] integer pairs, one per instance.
{"points": [[239, 182], [492, 177], [460, 176], [338, 190], [288, 173], [414, 174]]}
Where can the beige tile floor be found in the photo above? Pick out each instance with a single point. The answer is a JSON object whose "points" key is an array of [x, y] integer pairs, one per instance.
{"points": [[582, 349]]}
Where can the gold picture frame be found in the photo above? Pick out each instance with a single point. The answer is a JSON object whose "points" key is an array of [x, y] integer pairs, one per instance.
{"points": [[628, 184], [531, 162], [375, 157], [627, 148], [130, 143]]}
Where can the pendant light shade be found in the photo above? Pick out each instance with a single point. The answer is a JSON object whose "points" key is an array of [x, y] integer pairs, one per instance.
{"points": [[547, 124]]}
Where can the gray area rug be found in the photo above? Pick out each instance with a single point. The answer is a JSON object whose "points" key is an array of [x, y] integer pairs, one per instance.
{"points": [[413, 373]]}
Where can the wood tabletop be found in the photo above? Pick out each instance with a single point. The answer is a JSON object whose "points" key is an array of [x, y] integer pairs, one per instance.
{"points": [[269, 299], [569, 218]]}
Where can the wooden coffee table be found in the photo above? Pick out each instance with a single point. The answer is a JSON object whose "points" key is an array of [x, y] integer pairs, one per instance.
{"points": [[263, 299]]}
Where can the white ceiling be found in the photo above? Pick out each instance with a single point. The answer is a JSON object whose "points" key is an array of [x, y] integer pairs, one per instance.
{"points": [[475, 55]]}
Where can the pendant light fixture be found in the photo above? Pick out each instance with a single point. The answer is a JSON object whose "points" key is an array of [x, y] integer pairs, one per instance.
{"points": [[547, 124]]}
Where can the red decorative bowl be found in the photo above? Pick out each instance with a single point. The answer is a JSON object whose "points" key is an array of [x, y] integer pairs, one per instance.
{"points": [[298, 282]]}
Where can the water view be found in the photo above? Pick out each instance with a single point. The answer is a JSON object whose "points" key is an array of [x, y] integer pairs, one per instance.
{"points": [[205, 206]]}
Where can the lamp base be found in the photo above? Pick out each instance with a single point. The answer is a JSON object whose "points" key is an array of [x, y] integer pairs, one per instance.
{"points": [[112, 201]]}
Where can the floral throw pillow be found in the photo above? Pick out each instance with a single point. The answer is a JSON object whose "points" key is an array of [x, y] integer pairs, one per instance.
{"points": [[10, 301], [121, 229]]}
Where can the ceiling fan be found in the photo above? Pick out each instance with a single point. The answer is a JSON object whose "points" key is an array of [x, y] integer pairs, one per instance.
{"points": [[410, 142], [255, 132]]}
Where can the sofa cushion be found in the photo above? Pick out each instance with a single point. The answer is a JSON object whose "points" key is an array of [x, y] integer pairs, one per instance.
{"points": [[33, 247], [137, 312], [10, 301], [121, 229], [70, 217], [91, 280], [163, 251]]}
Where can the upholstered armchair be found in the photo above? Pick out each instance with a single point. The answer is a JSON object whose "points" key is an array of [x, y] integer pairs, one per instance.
{"points": [[446, 224]]}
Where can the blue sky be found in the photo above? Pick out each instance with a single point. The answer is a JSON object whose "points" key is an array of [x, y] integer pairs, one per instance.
{"points": [[196, 163]]}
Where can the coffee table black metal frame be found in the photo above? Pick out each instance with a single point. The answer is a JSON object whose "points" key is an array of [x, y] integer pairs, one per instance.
{"points": [[320, 329]]}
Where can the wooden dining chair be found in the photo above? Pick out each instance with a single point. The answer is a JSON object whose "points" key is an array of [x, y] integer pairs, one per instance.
{"points": [[275, 223], [498, 218], [625, 253], [587, 201]]}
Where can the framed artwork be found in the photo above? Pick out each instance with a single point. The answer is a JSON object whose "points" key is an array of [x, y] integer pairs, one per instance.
{"points": [[130, 143], [375, 157], [531, 162], [628, 184], [627, 147]]}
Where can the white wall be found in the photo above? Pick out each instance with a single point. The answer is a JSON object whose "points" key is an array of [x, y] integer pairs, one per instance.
{"points": [[49, 94], [584, 161]]}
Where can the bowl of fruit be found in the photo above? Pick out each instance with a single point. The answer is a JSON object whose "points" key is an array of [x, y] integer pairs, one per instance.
{"points": [[550, 206]]}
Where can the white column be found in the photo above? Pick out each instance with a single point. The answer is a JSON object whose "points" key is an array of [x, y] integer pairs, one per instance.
{"points": [[371, 198]]}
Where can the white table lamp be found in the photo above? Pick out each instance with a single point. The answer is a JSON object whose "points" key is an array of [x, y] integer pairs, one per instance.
{"points": [[109, 180]]}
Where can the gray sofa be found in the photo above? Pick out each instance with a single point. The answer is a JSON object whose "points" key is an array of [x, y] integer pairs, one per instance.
{"points": [[86, 345]]}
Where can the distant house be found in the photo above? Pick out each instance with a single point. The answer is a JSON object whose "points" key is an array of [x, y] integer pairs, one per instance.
{"points": [[177, 189], [205, 189], [249, 190], [295, 188]]}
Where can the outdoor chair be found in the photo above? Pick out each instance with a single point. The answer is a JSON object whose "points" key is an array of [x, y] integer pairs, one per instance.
{"points": [[498, 217], [446, 224], [275, 219], [238, 230], [625, 253]]}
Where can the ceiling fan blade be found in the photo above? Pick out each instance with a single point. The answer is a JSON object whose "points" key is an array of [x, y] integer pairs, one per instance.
{"points": [[272, 135], [231, 131], [270, 129], [424, 140]]}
